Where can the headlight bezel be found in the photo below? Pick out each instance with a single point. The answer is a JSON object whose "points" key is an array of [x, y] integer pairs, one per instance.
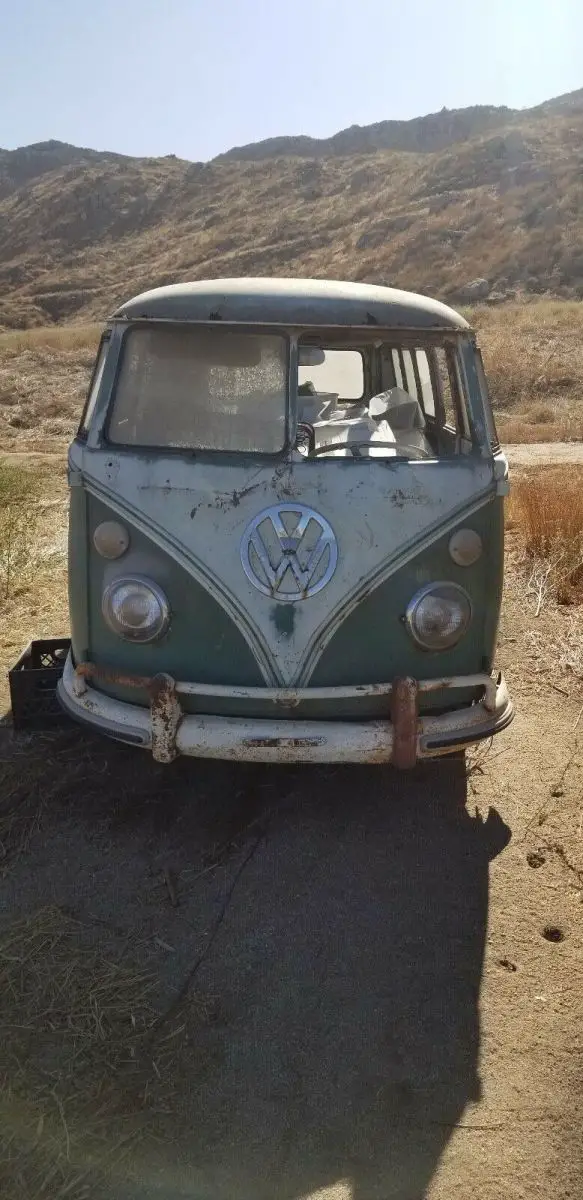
{"points": [[137, 636], [452, 591]]}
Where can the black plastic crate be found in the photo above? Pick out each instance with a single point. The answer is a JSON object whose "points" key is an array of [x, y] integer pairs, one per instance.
{"points": [[33, 685]]}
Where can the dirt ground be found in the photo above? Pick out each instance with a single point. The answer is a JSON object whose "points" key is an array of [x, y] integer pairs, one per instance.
{"points": [[378, 976]]}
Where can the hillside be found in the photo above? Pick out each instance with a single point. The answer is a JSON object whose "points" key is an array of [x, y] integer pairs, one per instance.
{"points": [[479, 203]]}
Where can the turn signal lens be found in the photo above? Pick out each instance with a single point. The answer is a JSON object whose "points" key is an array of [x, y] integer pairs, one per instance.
{"points": [[111, 539], [465, 547]]}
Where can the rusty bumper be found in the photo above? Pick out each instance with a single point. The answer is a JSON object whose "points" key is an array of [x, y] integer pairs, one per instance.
{"points": [[403, 739]]}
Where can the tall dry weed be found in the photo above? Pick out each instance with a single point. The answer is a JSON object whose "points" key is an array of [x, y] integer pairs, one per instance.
{"points": [[549, 511]]}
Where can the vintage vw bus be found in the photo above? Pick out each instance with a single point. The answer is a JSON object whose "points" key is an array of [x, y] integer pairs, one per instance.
{"points": [[286, 527]]}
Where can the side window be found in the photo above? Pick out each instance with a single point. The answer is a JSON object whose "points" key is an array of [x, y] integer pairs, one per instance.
{"points": [[432, 375], [444, 380], [415, 377], [489, 415], [410, 381], [94, 388], [425, 383], [397, 368]]}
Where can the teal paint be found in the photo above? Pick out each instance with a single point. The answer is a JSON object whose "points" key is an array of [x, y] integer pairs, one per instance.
{"points": [[373, 645], [78, 574], [202, 644]]}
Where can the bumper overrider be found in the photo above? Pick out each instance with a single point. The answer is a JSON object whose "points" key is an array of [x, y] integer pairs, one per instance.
{"points": [[402, 739]]}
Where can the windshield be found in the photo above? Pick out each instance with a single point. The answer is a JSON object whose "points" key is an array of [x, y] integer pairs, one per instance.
{"points": [[201, 389], [221, 389]]}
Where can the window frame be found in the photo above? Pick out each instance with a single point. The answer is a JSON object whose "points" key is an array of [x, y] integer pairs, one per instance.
{"points": [[94, 388], [383, 343], [490, 419], [200, 451]]}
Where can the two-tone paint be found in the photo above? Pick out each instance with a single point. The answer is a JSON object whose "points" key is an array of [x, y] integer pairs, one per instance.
{"points": [[244, 672]]}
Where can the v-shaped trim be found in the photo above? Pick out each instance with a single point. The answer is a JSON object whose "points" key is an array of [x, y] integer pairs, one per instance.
{"points": [[319, 640]]}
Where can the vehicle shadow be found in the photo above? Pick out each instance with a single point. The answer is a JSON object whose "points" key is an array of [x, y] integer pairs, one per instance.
{"points": [[340, 937], [347, 969]]}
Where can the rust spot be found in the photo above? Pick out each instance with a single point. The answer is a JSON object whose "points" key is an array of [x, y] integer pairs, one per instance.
{"points": [[166, 715], [159, 687], [404, 716], [377, 756], [108, 675]]}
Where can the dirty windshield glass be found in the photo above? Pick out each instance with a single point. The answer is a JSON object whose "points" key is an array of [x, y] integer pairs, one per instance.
{"points": [[201, 389]]}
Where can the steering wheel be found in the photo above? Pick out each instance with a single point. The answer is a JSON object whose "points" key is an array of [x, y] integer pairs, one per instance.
{"points": [[305, 436], [356, 445]]}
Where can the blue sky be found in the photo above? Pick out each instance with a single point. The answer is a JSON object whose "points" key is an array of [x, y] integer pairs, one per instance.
{"points": [[194, 77]]}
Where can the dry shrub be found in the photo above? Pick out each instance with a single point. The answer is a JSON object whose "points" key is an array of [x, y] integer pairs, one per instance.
{"points": [[548, 509], [541, 414], [78, 1069]]}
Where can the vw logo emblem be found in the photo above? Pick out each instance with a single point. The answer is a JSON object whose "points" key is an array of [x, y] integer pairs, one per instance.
{"points": [[289, 552]]}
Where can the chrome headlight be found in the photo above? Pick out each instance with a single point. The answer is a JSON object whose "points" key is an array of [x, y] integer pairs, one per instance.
{"points": [[438, 615], [136, 609]]}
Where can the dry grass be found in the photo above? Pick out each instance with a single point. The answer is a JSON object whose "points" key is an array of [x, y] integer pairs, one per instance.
{"points": [[44, 375], [533, 355], [517, 430], [60, 338], [33, 559], [19, 515], [81, 1073], [547, 508]]}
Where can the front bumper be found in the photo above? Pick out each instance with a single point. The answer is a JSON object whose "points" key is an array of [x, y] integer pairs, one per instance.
{"points": [[402, 739]]}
